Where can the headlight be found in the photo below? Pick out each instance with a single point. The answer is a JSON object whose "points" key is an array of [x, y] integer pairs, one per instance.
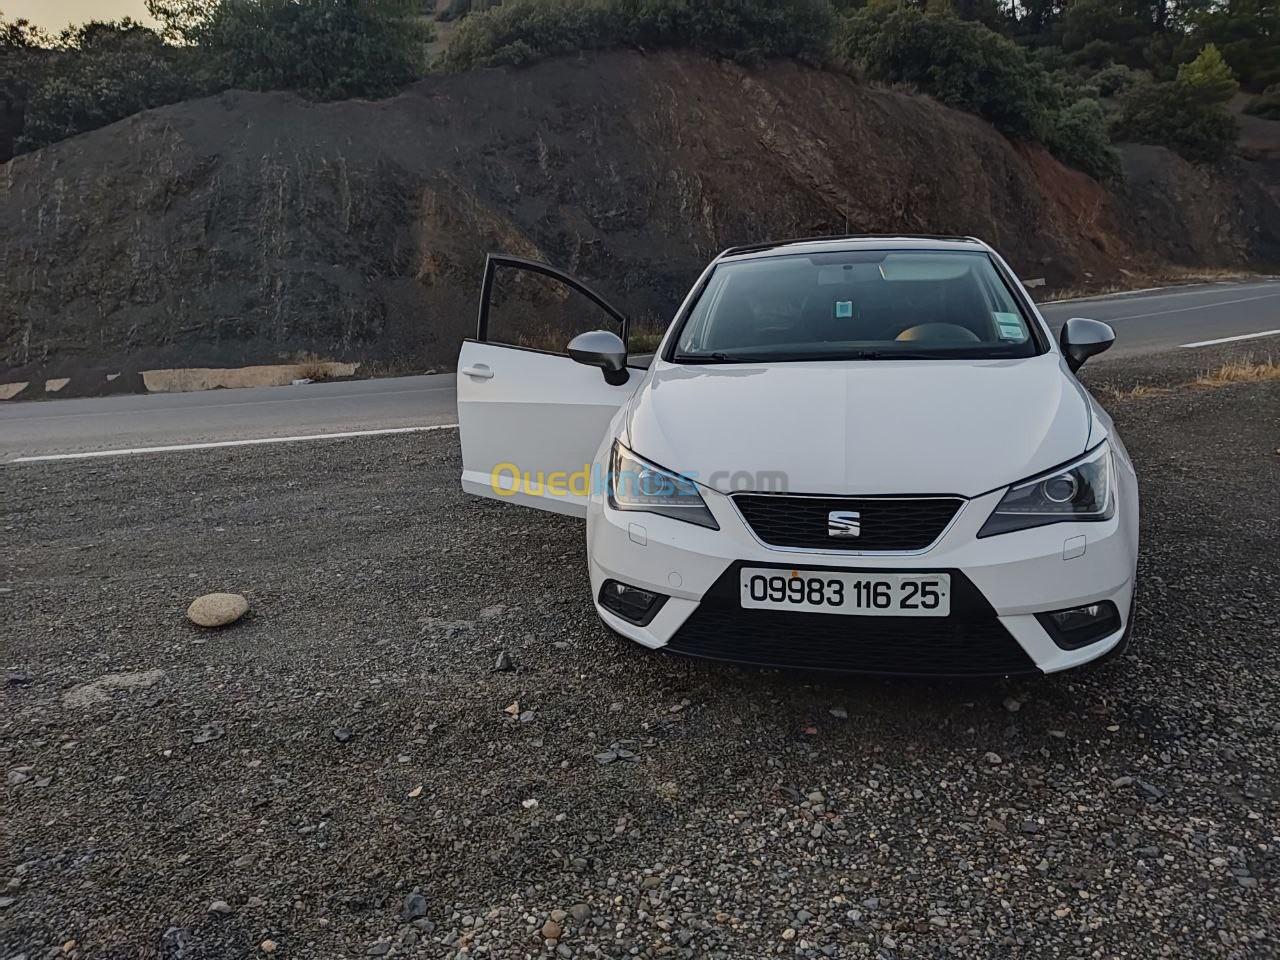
{"points": [[636, 484], [1076, 491]]}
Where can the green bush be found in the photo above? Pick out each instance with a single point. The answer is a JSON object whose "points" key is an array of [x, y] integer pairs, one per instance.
{"points": [[1114, 79], [1179, 115], [324, 49], [100, 73], [1077, 134], [523, 31], [959, 62]]}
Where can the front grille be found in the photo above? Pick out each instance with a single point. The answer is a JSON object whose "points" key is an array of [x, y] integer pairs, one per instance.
{"points": [[886, 523], [971, 642]]}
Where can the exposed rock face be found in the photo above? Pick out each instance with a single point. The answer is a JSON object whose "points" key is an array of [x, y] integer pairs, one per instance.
{"points": [[249, 228]]}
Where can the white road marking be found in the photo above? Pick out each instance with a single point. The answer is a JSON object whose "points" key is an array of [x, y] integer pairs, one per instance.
{"points": [[232, 443], [1243, 336], [1201, 306], [219, 404]]}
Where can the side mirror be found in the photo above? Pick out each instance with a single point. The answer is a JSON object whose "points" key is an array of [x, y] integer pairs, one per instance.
{"points": [[1082, 339], [600, 348]]}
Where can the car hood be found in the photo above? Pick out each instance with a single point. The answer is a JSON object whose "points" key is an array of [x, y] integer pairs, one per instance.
{"points": [[865, 427]]}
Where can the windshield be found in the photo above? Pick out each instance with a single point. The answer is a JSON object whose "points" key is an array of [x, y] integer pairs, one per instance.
{"points": [[855, 305]]}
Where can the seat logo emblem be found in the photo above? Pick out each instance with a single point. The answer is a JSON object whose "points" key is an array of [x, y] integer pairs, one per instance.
{"points": [[844, 523]]}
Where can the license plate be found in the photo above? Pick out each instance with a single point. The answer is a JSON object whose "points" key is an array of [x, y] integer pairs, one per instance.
{"points": [[859, 594]]}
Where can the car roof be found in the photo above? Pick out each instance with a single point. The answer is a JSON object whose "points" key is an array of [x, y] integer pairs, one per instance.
{"points": [[807, 245]]}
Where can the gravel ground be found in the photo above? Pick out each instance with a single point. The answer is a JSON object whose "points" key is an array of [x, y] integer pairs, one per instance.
{"points": [[344, 773]]}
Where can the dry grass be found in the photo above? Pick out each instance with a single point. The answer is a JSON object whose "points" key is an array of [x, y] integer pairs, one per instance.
{"points": [[312, 368], [1139, 391], [1094, 290], [1209, 274], [644, 341], [1240, 370]]}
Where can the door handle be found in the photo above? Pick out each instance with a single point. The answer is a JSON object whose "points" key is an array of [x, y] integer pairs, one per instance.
{"points": [[480, 371]]}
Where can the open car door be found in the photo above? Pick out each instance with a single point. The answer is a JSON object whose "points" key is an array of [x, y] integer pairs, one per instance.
{"points": [[530, 417]]}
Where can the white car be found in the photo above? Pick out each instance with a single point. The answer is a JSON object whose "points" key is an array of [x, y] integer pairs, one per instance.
{"points": [[862, 454]]}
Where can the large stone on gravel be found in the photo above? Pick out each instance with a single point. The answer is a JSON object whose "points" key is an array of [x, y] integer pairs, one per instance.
{"points": [[415, 906], [217, 609]]}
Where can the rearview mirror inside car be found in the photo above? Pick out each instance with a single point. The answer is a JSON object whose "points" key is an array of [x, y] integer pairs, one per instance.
{"points": [[1082, 339], [603, 349]]}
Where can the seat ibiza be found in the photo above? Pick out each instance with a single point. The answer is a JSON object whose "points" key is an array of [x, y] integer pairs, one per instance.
{"points": [[861, 454]]}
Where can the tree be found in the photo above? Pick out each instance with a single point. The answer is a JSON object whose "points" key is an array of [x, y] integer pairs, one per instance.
{"points": [[101, 72], [1100, 31], [325, 49], [1210, 75], [1247, 32], [24, 54]]}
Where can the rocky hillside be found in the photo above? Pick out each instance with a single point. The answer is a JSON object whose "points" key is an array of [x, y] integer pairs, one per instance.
{"points": [[249, 227]]}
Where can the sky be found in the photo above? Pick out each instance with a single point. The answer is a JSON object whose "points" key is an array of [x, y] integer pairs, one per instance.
{"points": [[53, 15]]}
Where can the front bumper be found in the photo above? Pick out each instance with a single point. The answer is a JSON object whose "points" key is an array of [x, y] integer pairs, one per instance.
{"points": [[1000, 583]]}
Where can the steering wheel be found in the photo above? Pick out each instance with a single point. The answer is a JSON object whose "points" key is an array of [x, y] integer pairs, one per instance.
{"points": [[941, 332]]}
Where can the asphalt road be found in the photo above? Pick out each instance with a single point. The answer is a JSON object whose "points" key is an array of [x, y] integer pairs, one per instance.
{"points": [[1145, 322]]}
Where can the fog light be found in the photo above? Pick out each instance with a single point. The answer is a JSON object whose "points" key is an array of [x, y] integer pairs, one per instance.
{"points": [[630, 603], [1080, 626]]}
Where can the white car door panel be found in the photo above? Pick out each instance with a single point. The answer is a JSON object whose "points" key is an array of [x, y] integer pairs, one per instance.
{"points": [[530, 424], [531, 421]]}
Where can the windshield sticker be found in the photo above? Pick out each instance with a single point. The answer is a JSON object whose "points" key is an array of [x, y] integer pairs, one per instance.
{"points": [[1010, 325], [844, 309]]}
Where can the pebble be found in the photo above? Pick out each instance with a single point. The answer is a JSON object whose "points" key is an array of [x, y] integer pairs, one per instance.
{"points": [[217, 609], [580, 912], [504, 663], [414, 906], [220, 906], [1012, 705], [208, 733], [992, 758], [551, 930]]}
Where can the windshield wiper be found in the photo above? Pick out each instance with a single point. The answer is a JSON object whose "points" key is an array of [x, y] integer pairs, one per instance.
{"points": [[713, 358]]}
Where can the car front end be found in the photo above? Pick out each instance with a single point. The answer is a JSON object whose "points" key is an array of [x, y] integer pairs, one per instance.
{"points": [[1022, 600]]}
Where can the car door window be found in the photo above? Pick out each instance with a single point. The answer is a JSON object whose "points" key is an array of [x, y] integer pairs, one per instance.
{"points": [[533, 306]]}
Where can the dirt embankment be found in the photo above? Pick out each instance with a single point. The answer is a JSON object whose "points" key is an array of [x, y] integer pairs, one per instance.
{"points": [[251, 228]]}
